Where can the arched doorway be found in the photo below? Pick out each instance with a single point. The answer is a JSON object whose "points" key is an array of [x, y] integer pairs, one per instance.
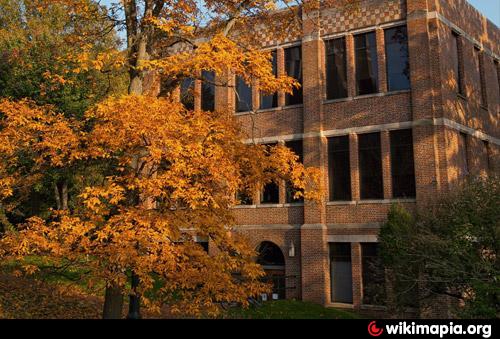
{"points": [[271, 258]]}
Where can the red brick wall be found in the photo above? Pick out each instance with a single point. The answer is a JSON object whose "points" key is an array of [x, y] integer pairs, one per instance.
{"points": [[360, 213], [273, 123], [433, 96], [469, 19], [468, 110], [270, 215], [368, 111]]}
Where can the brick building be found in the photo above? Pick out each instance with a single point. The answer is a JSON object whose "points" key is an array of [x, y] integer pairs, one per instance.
{"points": [[400, 99]]}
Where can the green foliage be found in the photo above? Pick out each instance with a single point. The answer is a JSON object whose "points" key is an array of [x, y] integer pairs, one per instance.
{"points": [[396, 248], [35, 45], [396, 234], [452, 249], [37, 57]]}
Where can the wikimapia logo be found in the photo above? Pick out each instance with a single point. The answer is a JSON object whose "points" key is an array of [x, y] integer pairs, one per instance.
{"points": [[404, 328], [373, 330]]}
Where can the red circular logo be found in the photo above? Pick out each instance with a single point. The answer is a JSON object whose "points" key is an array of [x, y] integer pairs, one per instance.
{"points": [[373, 330]]}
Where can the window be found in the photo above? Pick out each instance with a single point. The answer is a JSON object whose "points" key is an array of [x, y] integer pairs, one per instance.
{"points": [[339, 169], [187, 93], [270, 194], [402, 164], [397, 56], [463, 151], [341, 272], [372, 274], [480, 70], [208, 91], [271, 191], [271, 101], [297, 147], [370, 166], [456, 50], [244, 198], [243, 95], [293, 65], [336, 69], [366, 63]]}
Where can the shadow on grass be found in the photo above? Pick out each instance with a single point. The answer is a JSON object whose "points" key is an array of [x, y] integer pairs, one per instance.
{"points": [[289, 309]]}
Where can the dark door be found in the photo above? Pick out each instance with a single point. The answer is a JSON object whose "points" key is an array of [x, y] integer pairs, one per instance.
{"points": [[273, 261], [341, 272]]}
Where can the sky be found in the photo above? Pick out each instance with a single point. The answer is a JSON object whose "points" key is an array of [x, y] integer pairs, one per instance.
{"points": [[490, 8]]}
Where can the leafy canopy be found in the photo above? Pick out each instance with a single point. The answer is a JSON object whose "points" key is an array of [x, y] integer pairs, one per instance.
{"points": [[450, 250], [167, 174]]}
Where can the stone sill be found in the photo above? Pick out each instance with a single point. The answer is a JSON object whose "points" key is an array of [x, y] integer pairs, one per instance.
{"points": [[331, 203], [386, 201], [274, 109], [293, 106], [340, 203], [238, 114], [366, 96], [269, 206], [370, 202]]}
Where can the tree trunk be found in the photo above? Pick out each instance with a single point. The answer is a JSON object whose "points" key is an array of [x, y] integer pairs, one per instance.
{"points": [[390, 293], [57, 197], [61, 195], [64, 195], [113, 303], [134, 311], [136, 84], [137, 43]]}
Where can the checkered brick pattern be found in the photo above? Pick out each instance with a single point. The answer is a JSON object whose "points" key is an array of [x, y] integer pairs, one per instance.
{"points": [[180, 48], [266, 38], [372, 13]]}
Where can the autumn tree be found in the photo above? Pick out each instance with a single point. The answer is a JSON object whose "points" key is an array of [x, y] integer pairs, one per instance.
{"points": [[171, 173], [175, 174]]}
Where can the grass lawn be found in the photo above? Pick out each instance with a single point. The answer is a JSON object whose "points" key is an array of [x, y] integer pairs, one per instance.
{"points": [[289, 309], [28, 298], [55, 296]]}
